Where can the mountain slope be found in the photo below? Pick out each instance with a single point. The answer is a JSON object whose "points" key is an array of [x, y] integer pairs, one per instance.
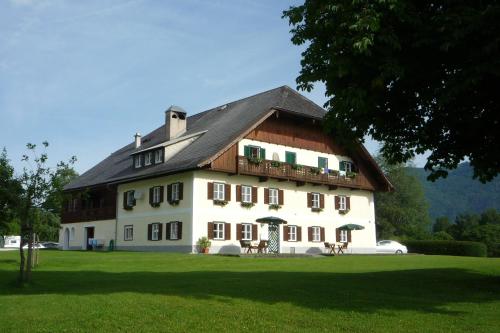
{"points": [[458, 193]]}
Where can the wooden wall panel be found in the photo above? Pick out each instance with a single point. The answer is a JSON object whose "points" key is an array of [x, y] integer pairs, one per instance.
{"points": [[298, 133], [226, 161]]}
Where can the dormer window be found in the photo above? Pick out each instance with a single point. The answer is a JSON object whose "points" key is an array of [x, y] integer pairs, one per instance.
{"points": [[137, 161], [148, 158], [159, 156]]}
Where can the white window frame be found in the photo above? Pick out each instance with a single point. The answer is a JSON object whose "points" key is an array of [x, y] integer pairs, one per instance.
{"points": [[219, 230], [130, 198], [292, 233], [342, 202], [348, 166], [316, 234], [174, 230], [155, 231], [246, 193], [219, 191], [246, 231], [156, 194], [128, 232], [253, 149], [159, 156], [315, 200], [273, 196], [148, 158], [137, 161], [175, 192], [343, 236]]}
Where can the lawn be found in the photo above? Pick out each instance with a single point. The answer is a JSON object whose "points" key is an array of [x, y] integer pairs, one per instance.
{"points": [[153, 292]]}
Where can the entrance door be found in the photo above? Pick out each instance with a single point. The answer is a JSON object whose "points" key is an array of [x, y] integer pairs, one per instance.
{"points": [[274, 238], [66, 239], [90, 234]]}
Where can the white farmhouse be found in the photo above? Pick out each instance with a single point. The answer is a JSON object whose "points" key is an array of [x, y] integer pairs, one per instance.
{"points": [[215, 173]]}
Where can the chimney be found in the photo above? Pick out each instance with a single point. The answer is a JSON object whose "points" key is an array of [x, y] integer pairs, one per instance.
{"points": [[137, 137], [175, 122]]}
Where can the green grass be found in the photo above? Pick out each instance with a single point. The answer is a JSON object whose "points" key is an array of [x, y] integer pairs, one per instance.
{"points": [[143, 292]]}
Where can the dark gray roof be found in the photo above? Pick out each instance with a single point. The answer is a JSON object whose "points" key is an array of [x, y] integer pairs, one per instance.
{"points": [[222, 125]]}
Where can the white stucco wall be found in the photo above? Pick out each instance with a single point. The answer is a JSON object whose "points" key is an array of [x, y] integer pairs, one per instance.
{"points": [[294, 210], [103, 230], [304, 156], [143, 214]]}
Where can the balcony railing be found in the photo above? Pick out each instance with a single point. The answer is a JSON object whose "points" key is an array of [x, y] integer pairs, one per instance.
{"points": [[299, 173], [91, 214]]}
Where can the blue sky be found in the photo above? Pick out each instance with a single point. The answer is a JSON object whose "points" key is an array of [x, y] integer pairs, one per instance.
{"points": [[87, 75]]}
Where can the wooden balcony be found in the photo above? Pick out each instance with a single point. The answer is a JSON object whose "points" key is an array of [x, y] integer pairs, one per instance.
{"points": [[91, 214], [300, 174]]}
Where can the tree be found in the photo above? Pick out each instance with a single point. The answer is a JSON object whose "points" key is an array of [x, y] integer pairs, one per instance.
{"points": [[442, 224], [416, 75], [483, 228], [36, 182], [9, 192], [404, 212]]}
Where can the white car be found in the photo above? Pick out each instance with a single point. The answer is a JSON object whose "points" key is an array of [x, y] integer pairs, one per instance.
{"points": [[390, 246], [35, 246]]}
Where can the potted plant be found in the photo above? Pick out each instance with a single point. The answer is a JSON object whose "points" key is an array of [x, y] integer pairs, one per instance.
{"points": [[274, 206], [247, 204], [314, 170], [254, 160], [220, 202], [351, 174], [203, 244]]}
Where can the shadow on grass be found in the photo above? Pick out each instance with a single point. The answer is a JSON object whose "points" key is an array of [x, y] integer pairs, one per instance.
{"points": [[424, 290]]}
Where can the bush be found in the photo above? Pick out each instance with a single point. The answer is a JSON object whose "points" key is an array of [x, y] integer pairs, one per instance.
{"points": [[494, 250], [446, 247], [442, 235]]}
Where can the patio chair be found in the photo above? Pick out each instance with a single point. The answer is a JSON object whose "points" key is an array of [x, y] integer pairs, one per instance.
{"points": [[262, 247], [343, 248], [330, 248], [246, 245]]}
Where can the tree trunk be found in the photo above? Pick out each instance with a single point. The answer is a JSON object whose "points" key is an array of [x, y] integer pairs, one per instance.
{"points": [[22, 263], [29, 259]]}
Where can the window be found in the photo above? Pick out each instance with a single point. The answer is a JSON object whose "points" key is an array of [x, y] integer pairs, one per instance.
{"points": [[246, 193], [342, 202], [155, 229], [273, 196], [130, 200], [159, 156], [315, 200], [254, 152], [75, 204], [148, 158], [343, 236], [246, 230], [128, 233], [72, 234], [316, 234], [219, 191], [292, 233], [345, 166], [174, 230], [175, 192], [156, 195], [348, 166], [219, 230], [323, 163], [137, 161], [290, 157]]}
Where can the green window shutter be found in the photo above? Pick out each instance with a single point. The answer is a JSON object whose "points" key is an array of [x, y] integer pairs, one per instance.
{"points": [[342, 165], [262, 153], [322, 163], [247, 151], [290, 157]]}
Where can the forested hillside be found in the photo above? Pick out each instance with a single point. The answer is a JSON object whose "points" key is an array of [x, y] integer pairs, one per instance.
{"points": [[459, 193]]}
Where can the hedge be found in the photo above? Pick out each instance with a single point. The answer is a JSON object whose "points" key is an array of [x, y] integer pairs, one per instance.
{"points": [[494, 250], [453, 248]]}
